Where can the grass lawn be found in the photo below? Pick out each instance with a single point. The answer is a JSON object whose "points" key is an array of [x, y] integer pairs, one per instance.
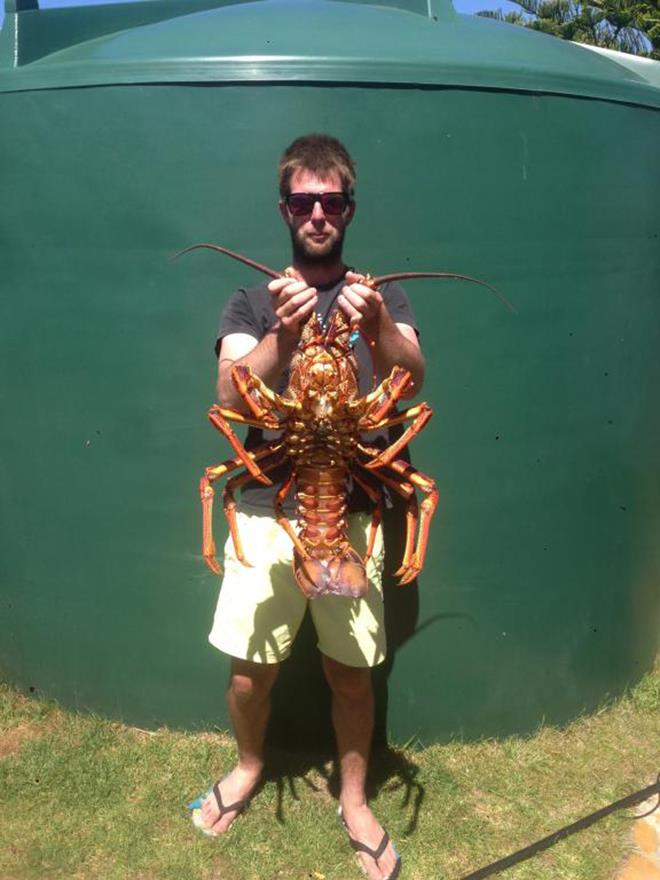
{"points": [[85, 798]]}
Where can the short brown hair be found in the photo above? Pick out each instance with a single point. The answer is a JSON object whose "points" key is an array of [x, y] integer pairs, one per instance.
{"points": [[321, 154]]}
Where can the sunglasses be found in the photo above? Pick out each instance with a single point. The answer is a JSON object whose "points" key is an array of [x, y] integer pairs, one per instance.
{"points": [[300, 204]]}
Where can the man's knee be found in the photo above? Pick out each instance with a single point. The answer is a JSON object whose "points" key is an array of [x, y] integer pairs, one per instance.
{"points": [[350, 682], [251, 682]]}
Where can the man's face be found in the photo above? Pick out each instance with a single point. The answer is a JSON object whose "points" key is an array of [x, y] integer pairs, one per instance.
{"points": [[316, 237]]}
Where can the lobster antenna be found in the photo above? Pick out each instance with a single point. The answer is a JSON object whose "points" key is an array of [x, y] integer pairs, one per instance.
{"points": [[223, 250], [374, 282], [401, 276]]}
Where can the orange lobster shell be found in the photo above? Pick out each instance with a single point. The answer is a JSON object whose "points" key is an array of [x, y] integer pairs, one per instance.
{"points": [[321, 418]]}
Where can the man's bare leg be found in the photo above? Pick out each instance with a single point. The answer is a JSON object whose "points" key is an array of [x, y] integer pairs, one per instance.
{"points": [[353, 719], [248, 698]]}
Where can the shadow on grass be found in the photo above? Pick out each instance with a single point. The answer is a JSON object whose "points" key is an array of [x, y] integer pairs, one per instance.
{"points": [[390, 770]]}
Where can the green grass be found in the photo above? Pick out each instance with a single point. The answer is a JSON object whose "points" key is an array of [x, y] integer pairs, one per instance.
{"points": [[85, 798]]}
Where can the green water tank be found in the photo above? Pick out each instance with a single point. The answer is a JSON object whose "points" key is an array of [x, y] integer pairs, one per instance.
{"points": [[130, 131]]}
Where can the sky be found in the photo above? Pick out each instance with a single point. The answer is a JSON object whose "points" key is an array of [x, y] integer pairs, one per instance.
{"points": [[465, 6]]}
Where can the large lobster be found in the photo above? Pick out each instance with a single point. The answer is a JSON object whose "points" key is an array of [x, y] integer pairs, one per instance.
{"points": [[321, 417]]}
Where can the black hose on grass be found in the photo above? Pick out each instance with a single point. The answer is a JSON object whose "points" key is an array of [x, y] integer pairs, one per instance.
{"points": [[527, 852]]}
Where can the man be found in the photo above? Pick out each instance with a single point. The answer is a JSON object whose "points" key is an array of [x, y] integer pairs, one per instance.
{"points": [[258, 614]]}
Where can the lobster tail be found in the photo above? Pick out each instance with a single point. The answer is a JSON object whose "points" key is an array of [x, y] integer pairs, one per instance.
{"points": [[341, 575], [331, 566]]}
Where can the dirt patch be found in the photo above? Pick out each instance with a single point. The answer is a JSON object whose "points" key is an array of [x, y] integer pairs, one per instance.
{"points": [[11, 741], [218, 738]]}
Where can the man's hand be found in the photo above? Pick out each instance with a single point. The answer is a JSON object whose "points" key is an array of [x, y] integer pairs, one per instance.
{"points": [[361, 304], [393, 344], [293, 301]]}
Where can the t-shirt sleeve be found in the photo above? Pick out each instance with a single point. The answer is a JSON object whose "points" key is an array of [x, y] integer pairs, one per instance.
{"points": [[398, 305], [237, 317]]}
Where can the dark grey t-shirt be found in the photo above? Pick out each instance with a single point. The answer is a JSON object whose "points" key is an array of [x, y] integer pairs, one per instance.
{"points": [[250, 310]]}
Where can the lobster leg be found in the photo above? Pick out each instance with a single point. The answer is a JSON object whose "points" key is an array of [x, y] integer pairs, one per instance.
{"points": [[412, 520], [282, 519], [407, 492], [259, 397], [376, 497], [409, 569], [404, 479], [420, 415], [211, 474], [412, 524], [375, 405], [218, 417], [229, 501], [384, 398]]}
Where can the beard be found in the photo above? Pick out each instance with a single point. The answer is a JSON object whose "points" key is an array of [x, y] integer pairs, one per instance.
{"points": [[305, 251]]}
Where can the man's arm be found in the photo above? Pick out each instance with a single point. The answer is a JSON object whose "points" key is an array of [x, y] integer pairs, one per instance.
{"points": [[394, 344], [269, 358]]}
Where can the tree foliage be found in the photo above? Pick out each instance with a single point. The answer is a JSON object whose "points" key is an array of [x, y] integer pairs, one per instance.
{"points": [[625, 25]]}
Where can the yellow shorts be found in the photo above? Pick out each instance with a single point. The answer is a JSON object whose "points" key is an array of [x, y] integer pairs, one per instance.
{"points": [[260, 609]]}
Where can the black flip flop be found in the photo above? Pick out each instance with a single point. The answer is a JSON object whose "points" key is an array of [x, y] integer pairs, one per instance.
{"points": [[375, 854]]}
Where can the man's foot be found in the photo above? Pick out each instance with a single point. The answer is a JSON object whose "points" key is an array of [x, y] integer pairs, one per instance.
{"points": [[378, 857], [234, 793]]}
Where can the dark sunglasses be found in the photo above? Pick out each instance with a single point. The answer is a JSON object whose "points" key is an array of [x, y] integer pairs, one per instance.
{"points": [[300, 204]]}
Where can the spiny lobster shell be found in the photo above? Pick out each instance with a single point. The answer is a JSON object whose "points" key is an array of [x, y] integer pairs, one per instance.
{"points": [[321, 441]]}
